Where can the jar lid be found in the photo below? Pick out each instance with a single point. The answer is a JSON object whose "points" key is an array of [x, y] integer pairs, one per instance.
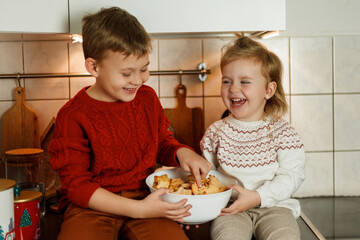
{"points": [[24, 151], [6, 184], [26, 196]]}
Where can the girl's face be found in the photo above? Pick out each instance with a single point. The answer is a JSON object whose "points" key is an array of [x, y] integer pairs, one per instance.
{"points": [[244, 89], [118, 77]]}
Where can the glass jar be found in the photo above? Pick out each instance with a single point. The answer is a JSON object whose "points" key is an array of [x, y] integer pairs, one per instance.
{"points": [[25, 166]]}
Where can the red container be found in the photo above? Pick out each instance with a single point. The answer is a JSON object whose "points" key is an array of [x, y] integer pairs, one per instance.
{"points": [[27, 215]]}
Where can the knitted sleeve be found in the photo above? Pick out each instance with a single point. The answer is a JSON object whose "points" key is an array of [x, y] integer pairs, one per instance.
{"points": [[209, 144], [291, 171], [69, 150]]}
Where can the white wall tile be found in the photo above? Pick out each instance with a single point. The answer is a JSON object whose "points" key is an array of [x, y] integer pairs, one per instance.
{"points": [[312, 118], [213, 110], [45, 110], [168, 102], [311, 65], [287, 115], [192, 102], [319, 170], [11, 53], [154, 56], [10, 36], [280, 46], [212, 56], [46, 57], [175, 54], [195, 102], [35, 37], [47, 88], [154, 83], [168, 85], [11, 58], [77, 83], [346, 122], [7, 88], [347, 177], [347, 64], [76, 58]]}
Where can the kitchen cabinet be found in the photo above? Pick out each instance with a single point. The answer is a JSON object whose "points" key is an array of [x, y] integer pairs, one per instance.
{"points": [[322, 18], [188, 16], [35, 16]]}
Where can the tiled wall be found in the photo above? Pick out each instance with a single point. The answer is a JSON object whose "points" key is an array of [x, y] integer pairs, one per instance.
{"points": [[321, 80]]}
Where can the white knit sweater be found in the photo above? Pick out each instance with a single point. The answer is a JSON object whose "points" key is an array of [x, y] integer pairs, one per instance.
{"points": [[267, 156]]}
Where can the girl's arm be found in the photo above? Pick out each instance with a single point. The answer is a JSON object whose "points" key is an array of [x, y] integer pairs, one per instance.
{"points": [[288, 177]]}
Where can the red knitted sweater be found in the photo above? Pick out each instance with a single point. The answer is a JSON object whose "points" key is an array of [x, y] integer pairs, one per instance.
{"points": [[113, 145]]}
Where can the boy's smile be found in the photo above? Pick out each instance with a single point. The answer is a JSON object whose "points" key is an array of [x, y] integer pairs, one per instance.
{"points": [[118, 77], [244, 89]]}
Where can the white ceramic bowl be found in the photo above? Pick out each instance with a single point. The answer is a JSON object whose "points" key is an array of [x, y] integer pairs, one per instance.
{"points": [[204, 207]]}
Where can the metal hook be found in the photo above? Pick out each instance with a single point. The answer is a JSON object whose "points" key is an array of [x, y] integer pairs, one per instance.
{"points": [[18, 79], [202, 67], [180, 76]]}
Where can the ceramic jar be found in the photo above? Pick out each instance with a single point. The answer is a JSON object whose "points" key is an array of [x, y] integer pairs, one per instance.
{"points": [[7, 227]]}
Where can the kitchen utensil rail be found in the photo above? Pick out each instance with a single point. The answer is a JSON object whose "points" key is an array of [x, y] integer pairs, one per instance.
{"points": [[202, 72]]}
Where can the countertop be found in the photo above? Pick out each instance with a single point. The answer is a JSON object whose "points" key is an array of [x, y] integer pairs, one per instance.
{"points": [[51, 223]]}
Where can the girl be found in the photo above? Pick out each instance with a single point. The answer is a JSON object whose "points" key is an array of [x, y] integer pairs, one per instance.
{"points": [[256, 146]]}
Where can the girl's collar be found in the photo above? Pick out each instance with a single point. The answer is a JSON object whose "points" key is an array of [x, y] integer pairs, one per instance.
{"points": [[265, 120]]}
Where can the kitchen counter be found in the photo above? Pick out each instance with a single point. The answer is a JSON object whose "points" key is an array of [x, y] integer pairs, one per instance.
{"points": [[335, 218], [52, 221]]}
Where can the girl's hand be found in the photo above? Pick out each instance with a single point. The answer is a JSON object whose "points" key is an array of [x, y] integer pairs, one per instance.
{"points": [[246, 199], [193, 163], [153, 207]]}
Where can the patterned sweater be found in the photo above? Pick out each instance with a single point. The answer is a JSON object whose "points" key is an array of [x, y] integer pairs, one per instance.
{"points": [[113, 145], [267, 156]]}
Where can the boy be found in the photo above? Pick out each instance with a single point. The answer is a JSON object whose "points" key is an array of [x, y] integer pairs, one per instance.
{"points": [[108, 138]]}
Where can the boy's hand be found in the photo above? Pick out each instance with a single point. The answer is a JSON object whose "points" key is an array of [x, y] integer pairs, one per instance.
{"points": [[153, 207], [193, 163], [187, 227], [246, 199]]}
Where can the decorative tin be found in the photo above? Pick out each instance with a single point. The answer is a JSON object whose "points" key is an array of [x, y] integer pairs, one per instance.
{"points": [[27, 215], [7, 227]]}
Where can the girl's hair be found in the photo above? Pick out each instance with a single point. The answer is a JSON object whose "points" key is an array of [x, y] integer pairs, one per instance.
{"points": [[113, 29], [271, 68]]}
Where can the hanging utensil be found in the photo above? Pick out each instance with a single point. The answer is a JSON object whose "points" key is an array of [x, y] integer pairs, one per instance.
{"points": [[20, 126], [187, 123]]}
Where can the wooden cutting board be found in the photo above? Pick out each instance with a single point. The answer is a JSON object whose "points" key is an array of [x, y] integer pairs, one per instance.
{"points": [[20, 126], [186, 123]]}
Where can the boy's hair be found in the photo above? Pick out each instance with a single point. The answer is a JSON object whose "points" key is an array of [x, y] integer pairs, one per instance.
{"points": [[113, 29], [271, 68]]}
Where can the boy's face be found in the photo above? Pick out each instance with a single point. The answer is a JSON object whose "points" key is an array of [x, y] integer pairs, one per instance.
{"points": [[118, 77], [244, 90]]}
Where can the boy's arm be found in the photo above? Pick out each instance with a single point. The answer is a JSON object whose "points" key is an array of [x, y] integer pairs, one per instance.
{"points": [[150, 207], [190, 161], [199, 166], [69, 156]]}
